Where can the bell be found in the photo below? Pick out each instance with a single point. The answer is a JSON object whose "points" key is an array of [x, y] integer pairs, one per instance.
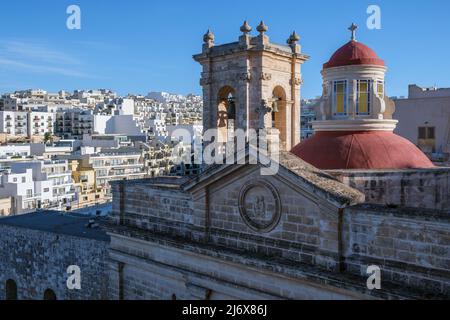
{"points": [[275, 106], [231, 110]]}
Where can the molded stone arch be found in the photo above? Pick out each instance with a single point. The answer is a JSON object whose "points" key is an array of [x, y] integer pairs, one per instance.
{"points": [[280, 113], [226, 112]]}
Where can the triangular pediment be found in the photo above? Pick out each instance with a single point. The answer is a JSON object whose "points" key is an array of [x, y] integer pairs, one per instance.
{"points": [[291, 169]]}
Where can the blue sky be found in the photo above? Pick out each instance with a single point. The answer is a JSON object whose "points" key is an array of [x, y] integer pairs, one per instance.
{"points": [[136, 46]]}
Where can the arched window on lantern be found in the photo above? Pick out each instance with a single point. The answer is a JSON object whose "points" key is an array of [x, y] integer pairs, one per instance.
{"points": [[363, 97], [340, 98]]}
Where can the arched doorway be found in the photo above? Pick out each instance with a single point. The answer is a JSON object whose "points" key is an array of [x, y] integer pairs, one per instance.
{"points": [[11, 290], [226, 113], [49, 294], [279, 113]]}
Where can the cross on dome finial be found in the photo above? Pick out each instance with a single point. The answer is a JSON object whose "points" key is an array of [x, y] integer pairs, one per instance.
{"points": [[353, 29]]}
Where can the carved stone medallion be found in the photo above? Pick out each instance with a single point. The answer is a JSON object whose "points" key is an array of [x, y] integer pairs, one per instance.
{"points": [[260, 206]]}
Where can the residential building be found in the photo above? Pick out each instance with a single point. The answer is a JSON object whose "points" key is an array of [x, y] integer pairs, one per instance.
{"points": [[114, 164], [15, 150], [307, 116], [26, 124], [424, 119], [85, 183], [38, 184]]}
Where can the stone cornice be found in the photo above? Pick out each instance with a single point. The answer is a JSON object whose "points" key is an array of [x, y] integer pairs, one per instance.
{"points": [[355, 125]]}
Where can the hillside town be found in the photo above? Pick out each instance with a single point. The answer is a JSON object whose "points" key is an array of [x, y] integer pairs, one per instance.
{"points": [[60, 151]]}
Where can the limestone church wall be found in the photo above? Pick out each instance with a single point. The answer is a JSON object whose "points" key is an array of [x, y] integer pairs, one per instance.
{"points": [[420, 188], [37, 261], [412, 245], [202, 245]]}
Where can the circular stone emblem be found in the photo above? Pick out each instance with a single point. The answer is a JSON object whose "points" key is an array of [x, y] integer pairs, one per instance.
{"points": [[260, 206]]}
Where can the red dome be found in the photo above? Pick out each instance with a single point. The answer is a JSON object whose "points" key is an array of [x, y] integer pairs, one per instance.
{"points": [[353, 53], [361, 150]]}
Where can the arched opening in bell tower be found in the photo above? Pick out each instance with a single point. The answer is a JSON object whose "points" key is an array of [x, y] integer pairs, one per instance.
{"points": [[279, 114], [226, 113]]}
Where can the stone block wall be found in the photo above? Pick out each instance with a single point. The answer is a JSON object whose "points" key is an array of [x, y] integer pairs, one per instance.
{"points": [[37, 261], [305, 233], [150, 207], [428, 188], [411, 246]]}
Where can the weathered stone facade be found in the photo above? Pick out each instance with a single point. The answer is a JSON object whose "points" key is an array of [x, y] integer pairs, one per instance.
{"points": [[256, 72], [425, 188], [412, 245], [200, 245], [36, 256]]}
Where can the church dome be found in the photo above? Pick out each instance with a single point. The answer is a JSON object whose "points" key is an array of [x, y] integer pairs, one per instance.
{"points": [[353, 53], [363, 150]]}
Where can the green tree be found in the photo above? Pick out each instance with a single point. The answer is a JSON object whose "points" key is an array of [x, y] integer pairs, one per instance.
{"points": [[48, 137]]}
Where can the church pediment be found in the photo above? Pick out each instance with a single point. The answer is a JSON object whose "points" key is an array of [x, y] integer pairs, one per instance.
{"points": [[295, 172]]}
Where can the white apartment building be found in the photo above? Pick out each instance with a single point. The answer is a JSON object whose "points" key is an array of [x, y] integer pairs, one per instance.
{"points": [[26, 124], [15, 150], [115, 164], [38, 184]]}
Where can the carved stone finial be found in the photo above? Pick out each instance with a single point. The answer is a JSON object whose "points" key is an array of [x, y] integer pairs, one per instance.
{"points": [[262, 28], [208, 37], [293, 38], [245, 28]]}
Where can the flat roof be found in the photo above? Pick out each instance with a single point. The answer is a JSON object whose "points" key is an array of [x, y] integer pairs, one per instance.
{"points": [[71, 224]]}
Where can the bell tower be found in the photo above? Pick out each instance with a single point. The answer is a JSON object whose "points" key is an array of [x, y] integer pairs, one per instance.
{"points": [[252, 84]]}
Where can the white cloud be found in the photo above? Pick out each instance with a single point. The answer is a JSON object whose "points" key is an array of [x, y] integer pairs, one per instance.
{"points": [[37, 52], [31, 56], [40, 68]]}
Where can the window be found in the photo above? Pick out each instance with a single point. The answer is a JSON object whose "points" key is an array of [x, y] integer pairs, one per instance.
{"points": [[380, 88], [363, 97], [427, 133], [340, 97], [11, 290], [431, 133], [24, 179]]}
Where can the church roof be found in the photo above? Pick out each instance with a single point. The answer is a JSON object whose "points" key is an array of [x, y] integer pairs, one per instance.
{"points": [[353, 53], [361, 150], [70, 224], [317, 181]]}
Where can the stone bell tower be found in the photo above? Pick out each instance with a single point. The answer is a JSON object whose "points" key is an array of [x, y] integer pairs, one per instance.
{"points": [[252, 84]]}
